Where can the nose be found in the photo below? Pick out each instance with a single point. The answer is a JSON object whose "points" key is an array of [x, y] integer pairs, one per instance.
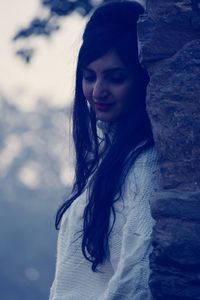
{"points": [[100, 90]]}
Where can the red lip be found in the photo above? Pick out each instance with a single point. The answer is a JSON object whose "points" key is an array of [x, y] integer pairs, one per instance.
{"points": [[103, 106]]}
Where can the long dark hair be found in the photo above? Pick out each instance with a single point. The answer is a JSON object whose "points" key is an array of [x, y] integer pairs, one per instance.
{"points": [[112, 26]]}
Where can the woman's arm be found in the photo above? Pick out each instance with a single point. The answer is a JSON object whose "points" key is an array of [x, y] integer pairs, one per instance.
{"points": [[130, 243]]}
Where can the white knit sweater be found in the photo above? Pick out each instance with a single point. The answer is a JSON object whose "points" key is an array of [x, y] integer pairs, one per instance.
{"points": [[125, 274]]}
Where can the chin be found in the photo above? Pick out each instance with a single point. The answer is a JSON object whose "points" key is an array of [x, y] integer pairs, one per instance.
{"points": [[106, 117]]}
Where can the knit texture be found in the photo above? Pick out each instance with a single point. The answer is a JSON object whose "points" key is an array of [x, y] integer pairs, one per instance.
{"points": [[125, 274]]}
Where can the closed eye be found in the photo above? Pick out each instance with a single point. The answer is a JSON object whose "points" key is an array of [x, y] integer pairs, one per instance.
{"points": [[116, 75], [89, 76], [118, 79]]}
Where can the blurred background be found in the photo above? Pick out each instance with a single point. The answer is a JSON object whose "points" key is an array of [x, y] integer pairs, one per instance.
{"points": [[39, 44]]}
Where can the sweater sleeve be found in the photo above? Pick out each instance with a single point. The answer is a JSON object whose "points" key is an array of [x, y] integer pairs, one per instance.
{"points": [[130, 244]]}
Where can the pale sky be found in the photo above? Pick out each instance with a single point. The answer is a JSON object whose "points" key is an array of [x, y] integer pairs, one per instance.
{"points": [[51, 73], [49, 76]]}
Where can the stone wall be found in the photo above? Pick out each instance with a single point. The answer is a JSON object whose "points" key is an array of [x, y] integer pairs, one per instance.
{"points": [[169, 34]]}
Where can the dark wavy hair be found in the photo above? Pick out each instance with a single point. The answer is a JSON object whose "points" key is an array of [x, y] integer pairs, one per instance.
{"points": [[113, 26]]}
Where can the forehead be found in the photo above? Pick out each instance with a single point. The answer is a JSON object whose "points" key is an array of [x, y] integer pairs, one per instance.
{"points": [[108, 61]]}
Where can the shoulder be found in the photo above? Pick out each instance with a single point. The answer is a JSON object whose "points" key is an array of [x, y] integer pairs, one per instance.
{"points": [[147, 158], [146, 164], [141, 183], [143, 178]]}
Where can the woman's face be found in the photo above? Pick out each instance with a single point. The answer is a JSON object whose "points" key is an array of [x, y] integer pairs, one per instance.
{"points": [[108, 86]]}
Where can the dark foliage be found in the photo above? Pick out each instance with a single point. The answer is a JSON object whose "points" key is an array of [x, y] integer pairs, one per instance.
{"points": [[38, 27], [47, 26], [57, 8]]}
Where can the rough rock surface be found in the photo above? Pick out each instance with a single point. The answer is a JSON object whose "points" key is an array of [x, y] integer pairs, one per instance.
{"points": [[169, 35], [174, 106], [167, 27]]}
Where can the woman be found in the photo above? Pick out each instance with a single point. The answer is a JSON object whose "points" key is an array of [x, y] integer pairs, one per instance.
{"points": [[105, 225]]}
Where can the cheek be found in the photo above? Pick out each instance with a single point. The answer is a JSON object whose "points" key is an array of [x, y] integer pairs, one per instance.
{"points": [[126, 99], [87, 91], [126, 94]]}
